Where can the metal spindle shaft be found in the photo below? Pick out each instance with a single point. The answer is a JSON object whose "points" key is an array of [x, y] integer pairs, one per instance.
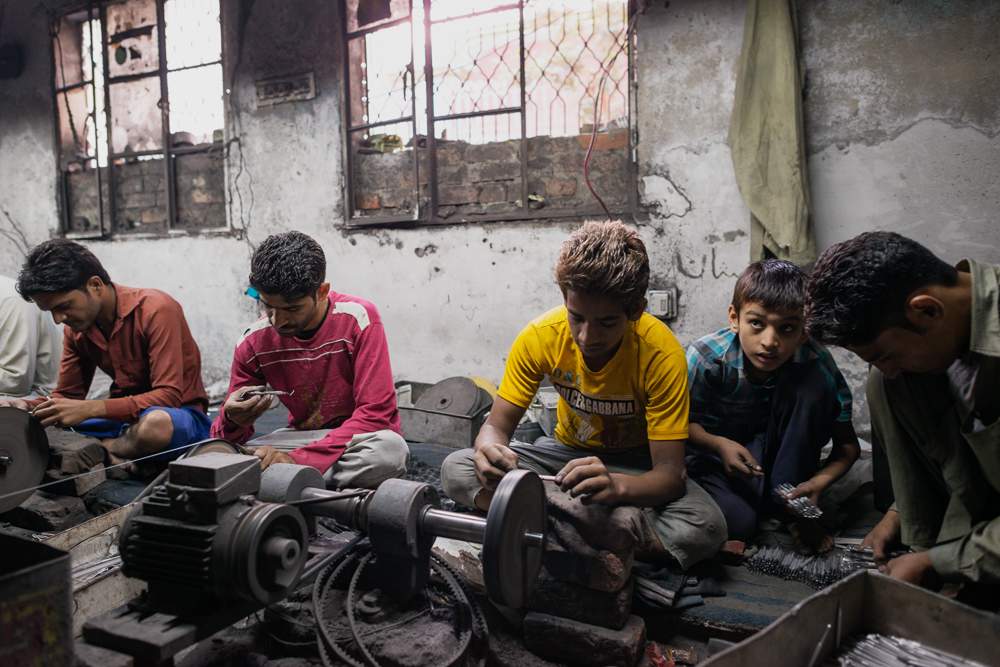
{"points": [[465, 527]]}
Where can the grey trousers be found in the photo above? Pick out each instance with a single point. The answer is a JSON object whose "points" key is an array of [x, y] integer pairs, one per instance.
{"points": [[691, 528], [369, 460]]}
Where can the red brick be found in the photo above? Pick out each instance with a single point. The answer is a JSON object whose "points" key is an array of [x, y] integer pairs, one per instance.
{"points": [[606, 141], [560, 187], [490, 193], [367, 201], [462, 194]]}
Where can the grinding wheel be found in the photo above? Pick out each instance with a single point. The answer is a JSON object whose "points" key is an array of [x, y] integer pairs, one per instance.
{"points": [[24, 455], [455, 395], [510, 565]]}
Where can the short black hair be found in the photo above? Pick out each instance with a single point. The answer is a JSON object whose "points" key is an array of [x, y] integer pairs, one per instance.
{"points": [[859, 287], [58, 265], [773, 283], [291, 265]]}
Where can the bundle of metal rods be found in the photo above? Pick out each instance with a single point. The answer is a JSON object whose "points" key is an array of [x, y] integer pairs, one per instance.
{"points": [[817, 570], [802, 507], [874, 650]]}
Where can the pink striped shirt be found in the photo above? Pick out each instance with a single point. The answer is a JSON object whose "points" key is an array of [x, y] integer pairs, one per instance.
{"points": [[341, 379]]}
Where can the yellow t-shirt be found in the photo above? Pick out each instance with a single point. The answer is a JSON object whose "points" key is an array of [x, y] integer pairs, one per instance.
{"points": [[640, 395]]}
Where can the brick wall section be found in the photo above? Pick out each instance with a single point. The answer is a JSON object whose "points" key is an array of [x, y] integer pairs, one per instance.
{"points": [[484, 179], [141, 195]]}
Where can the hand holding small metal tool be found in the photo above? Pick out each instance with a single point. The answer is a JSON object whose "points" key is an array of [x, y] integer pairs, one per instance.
{"points": [[243, 407], [737, 460]]}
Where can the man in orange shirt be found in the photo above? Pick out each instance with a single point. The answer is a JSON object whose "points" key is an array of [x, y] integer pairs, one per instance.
{"points": [[139, 337]]}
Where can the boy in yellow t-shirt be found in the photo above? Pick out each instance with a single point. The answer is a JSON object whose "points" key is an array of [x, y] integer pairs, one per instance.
{"points": [[623, 400]]}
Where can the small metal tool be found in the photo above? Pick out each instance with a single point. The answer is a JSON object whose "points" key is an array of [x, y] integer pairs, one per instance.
{"points": [[547, 478], [267, 392]]}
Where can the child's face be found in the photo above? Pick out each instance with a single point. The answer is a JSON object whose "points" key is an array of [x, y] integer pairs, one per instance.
{"points": [[768, 338], [597, 324]]}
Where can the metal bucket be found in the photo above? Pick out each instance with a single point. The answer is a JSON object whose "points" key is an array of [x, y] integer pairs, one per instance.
{"points": [[35, 604]]}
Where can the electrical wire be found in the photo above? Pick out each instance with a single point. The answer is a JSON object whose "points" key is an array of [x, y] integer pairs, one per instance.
{"points": [[94, 472], [605, 73], [474, 625]]}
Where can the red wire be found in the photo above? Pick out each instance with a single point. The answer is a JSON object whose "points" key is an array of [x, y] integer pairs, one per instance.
{"points": [[597, 115]]}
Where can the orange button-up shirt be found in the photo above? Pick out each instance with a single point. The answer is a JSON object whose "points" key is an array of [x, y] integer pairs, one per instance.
{"points": [[150, 355]]}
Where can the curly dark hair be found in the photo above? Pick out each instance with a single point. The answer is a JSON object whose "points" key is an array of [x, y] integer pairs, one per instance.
{"points": [[605, 258], [859, 287], [58, 265], [775, 284], [291, 265]]}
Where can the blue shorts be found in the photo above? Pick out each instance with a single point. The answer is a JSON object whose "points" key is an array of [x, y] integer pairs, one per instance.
{"points": [[190, 423]]}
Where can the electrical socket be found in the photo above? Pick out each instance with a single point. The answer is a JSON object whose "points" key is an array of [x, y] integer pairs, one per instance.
{"points": [[662, 303]]}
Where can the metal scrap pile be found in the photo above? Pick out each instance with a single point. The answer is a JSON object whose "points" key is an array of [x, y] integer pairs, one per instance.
{"points": [[874, 650], [817, 570]]}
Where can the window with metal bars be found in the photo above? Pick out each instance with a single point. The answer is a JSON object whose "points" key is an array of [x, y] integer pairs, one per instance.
{"points": [[139, 118], [485, 111]]}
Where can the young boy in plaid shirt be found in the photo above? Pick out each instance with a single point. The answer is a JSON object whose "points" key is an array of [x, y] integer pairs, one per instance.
{"points": [[765, 399]]}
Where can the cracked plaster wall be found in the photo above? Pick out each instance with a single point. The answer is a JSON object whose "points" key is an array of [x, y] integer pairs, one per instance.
{"points": [[916, 144]]}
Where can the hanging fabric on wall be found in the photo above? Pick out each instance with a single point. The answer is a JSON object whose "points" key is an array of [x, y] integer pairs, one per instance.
{"points": [[766, 135]]}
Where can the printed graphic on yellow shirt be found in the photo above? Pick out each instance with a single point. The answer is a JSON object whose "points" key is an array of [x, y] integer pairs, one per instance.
{"points": [[611, 422]]}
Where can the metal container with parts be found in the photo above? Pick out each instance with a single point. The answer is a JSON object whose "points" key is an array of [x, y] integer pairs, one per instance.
{"points": [[35, 604]]}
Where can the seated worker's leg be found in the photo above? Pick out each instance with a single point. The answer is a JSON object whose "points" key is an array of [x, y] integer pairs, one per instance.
{"points": [[910, 417], [369, 460], [160, 429], [803, 409], [546, 456], [739, 509], [691, 528], [688, 530]]}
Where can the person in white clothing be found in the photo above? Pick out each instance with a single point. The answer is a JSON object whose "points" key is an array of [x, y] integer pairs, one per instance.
{"points": [[30, 346]]}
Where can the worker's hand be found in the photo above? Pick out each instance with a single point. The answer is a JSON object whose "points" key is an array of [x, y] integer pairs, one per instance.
{"points": [[588, 479], [811, 489], [492, 462], [885, 533], [243, 410], [737, 460], [18, 403], [911, 568], [269, 455], [66, 411]]}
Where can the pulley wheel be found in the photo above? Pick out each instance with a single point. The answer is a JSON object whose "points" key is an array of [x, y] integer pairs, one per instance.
{"points": [[24, 455], [269, 548], [455, 395], [510, 564]]}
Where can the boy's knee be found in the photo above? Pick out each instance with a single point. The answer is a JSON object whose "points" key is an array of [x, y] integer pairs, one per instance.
{"points": [[695, 532], [455, 468], [808, 384], [155, 428], [393, 454]]}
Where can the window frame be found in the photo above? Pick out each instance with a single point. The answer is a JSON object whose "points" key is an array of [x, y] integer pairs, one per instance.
{"points": [[429, 215], [97, 9]]}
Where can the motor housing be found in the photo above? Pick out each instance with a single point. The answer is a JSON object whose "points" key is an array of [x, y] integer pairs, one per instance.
{"points": [[203, 537]]}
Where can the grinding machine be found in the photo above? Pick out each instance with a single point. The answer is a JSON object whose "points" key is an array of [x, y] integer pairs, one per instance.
{"points": [[219, 539], [24, 456]]}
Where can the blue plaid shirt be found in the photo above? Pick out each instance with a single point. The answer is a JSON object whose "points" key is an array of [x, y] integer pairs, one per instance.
{"points": [[723, 399]]}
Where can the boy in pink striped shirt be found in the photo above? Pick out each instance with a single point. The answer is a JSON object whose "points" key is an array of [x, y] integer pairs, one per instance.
{"points": [[327, 355]]}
